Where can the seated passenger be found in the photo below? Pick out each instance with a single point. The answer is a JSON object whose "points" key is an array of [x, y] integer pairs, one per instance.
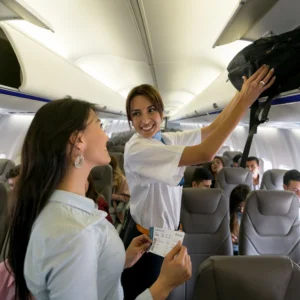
{"points": [[291, 182], [59, 246], [99, 200], [236, 161], [253, 165], [237, 202], [202, 178], [120, 187], [12, 176], [216, 165]]}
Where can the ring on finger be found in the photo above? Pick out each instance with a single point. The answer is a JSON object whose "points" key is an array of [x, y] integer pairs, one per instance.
{"points": [[262, 83]]}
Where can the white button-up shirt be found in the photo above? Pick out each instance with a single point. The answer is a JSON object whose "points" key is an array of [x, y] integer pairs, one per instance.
{"points": [[153, 176], [74, 252]]}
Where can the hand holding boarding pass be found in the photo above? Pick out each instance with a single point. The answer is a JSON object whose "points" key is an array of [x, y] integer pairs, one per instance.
{"points": [[164, 240]]}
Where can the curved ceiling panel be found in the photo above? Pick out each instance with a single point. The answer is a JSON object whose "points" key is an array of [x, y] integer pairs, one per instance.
{"points": [[48, 75], [119, 74]]}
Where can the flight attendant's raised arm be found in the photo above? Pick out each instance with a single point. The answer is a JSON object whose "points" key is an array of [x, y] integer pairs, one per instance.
{"points": [[217, 133]]}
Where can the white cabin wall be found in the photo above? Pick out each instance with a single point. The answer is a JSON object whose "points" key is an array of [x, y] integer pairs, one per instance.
{"points": [[13, 129], [279, 148]]}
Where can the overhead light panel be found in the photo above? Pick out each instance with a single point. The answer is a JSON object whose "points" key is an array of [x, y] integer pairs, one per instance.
{"points": [[19, 10], [245, 16]]}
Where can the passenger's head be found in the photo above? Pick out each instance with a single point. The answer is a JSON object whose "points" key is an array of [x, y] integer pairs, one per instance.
{"points": [[238, 197], [236, 160], [291, 182], [202, 178], [12, 176], [217, 164], [144, 108], [64, 139], [252, 164]]}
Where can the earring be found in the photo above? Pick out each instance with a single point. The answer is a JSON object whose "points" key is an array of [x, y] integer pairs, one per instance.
{"points": [[79, 161]]}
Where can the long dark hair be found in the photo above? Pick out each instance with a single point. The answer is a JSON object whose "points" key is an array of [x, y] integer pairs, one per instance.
{"points": [[44, 162]]}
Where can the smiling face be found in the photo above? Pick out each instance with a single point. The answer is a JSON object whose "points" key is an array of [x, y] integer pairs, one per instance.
{"points": [[145, 117]]}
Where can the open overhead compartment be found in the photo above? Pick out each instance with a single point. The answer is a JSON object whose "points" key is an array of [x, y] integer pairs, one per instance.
{"points": [[19, 10], [253, 19], [247, 13], [45, 74]]}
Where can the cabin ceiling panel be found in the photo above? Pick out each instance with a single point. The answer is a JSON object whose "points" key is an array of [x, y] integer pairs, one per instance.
{"points": [[88, 27], [102, 38], [181, 30]]}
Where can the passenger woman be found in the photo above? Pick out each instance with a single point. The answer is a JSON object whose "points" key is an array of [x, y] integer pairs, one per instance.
{"points": [[155, 163], [216, 165], [61, 247]]}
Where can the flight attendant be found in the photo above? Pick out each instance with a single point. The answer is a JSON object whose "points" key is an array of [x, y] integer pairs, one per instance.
{"points": [[155, 163]]}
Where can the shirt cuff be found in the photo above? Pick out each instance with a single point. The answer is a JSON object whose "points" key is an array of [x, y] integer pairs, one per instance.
{"points": [[146, 295]]}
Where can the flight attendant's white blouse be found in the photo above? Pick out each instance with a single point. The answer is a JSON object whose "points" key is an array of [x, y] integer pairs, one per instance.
{"points": [[153, 175]]}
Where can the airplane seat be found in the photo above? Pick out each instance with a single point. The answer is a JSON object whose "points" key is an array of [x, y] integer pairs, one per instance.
{"points": [[109, 145], [229, 178], [103, 177], [120, 157], [226, 161], [4, 196], [205, 221], [248, 278], [270, 225], [273, 180], [188, 175], [5, 166], [230, 155], [119, 149]]}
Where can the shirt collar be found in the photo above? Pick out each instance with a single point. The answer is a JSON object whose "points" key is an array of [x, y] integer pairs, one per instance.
{"points": [[74, 200], [157, 136]]}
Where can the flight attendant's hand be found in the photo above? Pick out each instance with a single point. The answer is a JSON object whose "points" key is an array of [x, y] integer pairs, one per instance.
{"points": [[253, 86], [136, 249]]}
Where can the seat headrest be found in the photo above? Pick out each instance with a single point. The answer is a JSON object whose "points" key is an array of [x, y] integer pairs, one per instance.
{"points": [[102, 173], [279, 209], [273, 179], [248, 277], [229, 178], [203, 209], [231, 154], [188, 175]]}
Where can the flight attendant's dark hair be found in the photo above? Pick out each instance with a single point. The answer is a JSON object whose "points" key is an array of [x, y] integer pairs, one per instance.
{"points": [[149, 92], [45, 159]]}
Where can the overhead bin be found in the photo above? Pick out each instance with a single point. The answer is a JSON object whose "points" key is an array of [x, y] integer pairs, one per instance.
{"points": [[247, 13], [253, 19], [48, 75], [18, 10], [10, 71]]}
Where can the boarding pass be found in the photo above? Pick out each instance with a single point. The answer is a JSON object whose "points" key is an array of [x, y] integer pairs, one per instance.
{"points": [[164, 240]]}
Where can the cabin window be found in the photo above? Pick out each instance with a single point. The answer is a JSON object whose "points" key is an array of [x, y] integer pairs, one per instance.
{"points": [[267, 164]]}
